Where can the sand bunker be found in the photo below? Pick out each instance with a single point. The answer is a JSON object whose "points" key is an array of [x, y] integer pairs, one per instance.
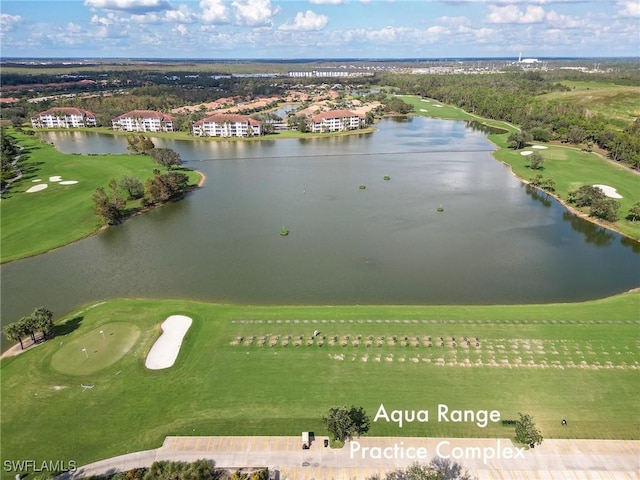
{"points": [[439, 106], [55, 178], [69, 182], [37, 188], [540, 147], [526, 152], [609, 191], [37, 180], [422, 110], [164, 352]]}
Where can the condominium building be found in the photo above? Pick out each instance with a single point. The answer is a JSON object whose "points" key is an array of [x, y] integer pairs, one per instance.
{"points": [[227, 125], [336, 121], [143, 121], [63, 117]]}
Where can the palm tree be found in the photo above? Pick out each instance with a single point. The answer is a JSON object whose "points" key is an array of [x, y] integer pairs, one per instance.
{"points": [[43, 321], [13, 331]]}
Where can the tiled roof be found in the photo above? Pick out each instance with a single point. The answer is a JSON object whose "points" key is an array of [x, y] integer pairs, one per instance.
{"points": [[334, 114], [226, 117], [65, 111], [145, 114]]}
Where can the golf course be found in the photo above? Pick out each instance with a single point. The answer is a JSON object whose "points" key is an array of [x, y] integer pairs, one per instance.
{"points": [[90, 391], [256, 370]]}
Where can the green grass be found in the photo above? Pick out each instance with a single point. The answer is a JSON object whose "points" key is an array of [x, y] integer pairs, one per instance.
{"points": [[34, 223], [569, 167], [95, 350], [619, 104], [426, 107], [244, 370]]}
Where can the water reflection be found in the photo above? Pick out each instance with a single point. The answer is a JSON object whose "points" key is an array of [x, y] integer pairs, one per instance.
{"points": [[593, 234]]}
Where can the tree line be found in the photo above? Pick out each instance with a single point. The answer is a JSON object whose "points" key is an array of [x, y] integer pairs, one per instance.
{"points": [[9, 150], [176, 470], [515, 98]]}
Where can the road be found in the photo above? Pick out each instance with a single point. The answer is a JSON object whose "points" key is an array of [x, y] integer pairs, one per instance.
{"points": [[487, 459]]}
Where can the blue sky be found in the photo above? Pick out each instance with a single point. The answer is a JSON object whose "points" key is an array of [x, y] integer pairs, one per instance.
{"points": [[230, 29]]}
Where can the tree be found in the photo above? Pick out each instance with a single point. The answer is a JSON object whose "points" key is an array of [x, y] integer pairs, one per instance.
{"points": [[339, 423], [518, 140], [634, 212], [343, 424], [164, 187], [540, 134], [133, 186], [165, 157], [605, 209], [526, 431], [585, 196], [536, 160], [575, 135], [438, 469], [29, 327], [110, 207], [15, 332], [448, 469], [43, 321], [139, 143], [361, 422], [8, 154]]}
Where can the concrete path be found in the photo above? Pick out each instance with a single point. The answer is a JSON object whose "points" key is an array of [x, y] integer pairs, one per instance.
{"points": [[487, 459]]}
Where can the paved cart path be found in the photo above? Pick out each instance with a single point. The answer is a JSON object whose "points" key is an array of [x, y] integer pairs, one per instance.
{"points": [[484, 458]]}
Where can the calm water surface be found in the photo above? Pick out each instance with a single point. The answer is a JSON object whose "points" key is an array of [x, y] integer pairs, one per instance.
{"points": [[495, 242]]}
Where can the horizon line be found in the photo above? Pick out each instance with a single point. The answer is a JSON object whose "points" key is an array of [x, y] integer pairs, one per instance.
{"points": [[307, 59]]}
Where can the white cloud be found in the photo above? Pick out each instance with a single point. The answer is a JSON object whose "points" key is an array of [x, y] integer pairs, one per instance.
{"points": [[630, 8], [214, 11], [182, 14], [182, 30], [110, 19], [557, 20], [254, 13], [307, 21], [74, 28], [454, 21], [7, 22], [512, 14], [131, 6], [327, 2]]}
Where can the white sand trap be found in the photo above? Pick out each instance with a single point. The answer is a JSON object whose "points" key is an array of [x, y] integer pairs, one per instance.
{"points": [[540, 147], [37, 188], [37, 180], [164, 352], [426, 100], [526, 152], [609, 191], [439, 106], [69, 182], [55, 178], [422, 110]]}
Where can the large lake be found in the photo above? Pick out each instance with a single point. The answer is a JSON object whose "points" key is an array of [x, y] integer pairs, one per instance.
{"points": [[495, 242]]}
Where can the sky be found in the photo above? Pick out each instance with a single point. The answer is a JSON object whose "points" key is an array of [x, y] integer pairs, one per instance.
{"points": [[289, 29]]}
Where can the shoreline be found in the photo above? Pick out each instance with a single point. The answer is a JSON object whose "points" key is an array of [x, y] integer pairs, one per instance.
{"points": [[561, 201], [140, 211]]}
